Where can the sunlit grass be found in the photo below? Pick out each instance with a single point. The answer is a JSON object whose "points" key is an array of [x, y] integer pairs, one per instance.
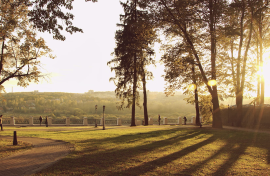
{"points": [[158, 151], [7, 148]]}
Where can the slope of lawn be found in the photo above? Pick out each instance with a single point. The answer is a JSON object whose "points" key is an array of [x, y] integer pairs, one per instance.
{"points": [[158, 151]]}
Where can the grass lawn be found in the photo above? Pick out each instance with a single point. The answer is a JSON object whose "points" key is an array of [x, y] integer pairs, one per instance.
{"points": [[158, 151]]}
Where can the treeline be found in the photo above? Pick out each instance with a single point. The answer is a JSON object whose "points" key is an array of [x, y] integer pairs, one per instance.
{"points": [[61, 105]]}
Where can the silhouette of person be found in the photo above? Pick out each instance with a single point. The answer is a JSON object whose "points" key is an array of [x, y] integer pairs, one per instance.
{"points": [[40, 120], [159, 119], [46, 121], [185, 120]]}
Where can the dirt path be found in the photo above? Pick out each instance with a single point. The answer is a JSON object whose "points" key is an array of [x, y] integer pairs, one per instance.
{"points": [[45, 152]]}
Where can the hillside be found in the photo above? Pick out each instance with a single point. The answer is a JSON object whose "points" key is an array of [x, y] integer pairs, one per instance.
{"points": [[61, 105]]}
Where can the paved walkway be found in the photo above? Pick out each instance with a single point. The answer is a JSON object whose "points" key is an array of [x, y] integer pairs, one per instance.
{"points": [[45, 152]]}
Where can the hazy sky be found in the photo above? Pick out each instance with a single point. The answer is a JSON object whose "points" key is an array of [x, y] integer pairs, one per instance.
{"points": [[81, 62]]}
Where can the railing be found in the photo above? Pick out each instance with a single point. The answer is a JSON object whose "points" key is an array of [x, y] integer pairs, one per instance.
{"points": [[76, 121], [86, 121], [172, 121], [93, 121], [126, 122], [21, 121], [6, 121], [110, 122], [156, 122], [58, 121], [36, 121]]}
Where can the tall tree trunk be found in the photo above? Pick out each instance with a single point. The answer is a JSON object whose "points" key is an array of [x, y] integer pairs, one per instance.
{"points": [[217, 122], [258, 77], [134, 76], [243, 72], [144, 99], [261, 59], [232, 64], [196, 96], [239, 94], [2, 55], [134, 92]]}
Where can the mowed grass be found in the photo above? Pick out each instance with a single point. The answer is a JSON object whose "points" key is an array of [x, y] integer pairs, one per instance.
{"points": [[158, 151]]}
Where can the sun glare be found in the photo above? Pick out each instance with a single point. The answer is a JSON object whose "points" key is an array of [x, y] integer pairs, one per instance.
{"points": [[192, 87], [264, 73], [212, 82]]}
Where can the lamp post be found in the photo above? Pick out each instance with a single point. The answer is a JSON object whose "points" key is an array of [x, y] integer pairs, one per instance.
{"points": [[103, 118], [95, 113]]}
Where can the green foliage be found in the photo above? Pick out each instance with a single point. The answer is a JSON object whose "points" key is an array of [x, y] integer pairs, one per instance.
{"points": [[20, 48], [132, 53]]}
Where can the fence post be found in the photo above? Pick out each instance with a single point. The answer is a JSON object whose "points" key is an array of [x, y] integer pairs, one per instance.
{"points": [[49, 121], [67, 121], [119, 122], [179, 120], [12, 120], [31, 121], [150, 121], [85, 122], [165, 121]]}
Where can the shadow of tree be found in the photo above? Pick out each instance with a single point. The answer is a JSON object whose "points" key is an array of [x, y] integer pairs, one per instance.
{"points": [[94, 159]]}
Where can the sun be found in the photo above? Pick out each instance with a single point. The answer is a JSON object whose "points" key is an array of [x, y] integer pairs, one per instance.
{"points": [[264, 72]]}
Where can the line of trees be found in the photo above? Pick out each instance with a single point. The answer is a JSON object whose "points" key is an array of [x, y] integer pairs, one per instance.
{"points": [[59, 104], [211, 51], [212, 47]]}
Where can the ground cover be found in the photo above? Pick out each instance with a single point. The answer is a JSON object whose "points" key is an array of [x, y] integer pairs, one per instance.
{"points": [[165, 150], [7, 148]]}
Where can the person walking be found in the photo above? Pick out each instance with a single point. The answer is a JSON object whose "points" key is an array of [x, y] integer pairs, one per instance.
{"points": [[40, 120], [185, 120], [46, 121], [1, 122]]}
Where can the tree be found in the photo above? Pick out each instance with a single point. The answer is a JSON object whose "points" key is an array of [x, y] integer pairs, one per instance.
{"points": [[241, 25], [133, 46], [49, 15], [180, 68], [20, 49], [145, 75], [178, 14], [261, 28]]}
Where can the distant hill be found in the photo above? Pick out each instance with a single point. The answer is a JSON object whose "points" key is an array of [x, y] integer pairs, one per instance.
{"points": [[60, 105]]}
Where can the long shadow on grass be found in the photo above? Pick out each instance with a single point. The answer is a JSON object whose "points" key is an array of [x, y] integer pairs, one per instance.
{"points": [[234, 154], [133, 137], [235, 147], [102, 160], [146, 167]]}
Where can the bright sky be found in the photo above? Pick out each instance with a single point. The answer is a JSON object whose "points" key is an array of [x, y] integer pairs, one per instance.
{"points": [[81, 62]]}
